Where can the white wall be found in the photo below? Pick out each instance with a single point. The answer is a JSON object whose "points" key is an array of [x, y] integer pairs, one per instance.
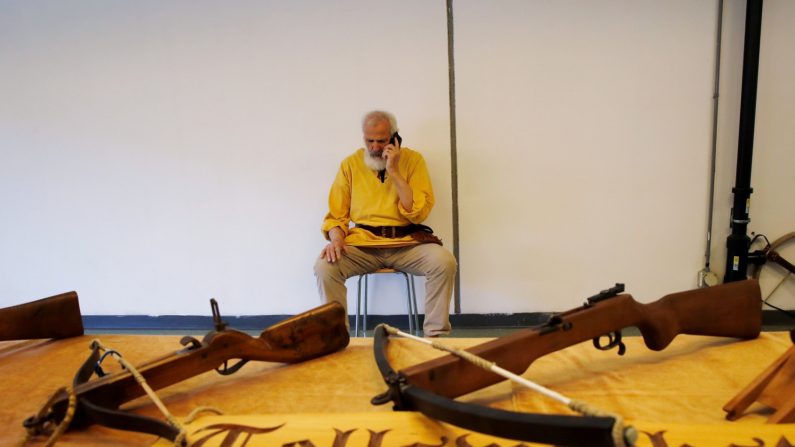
{"points": [[156, 154], [585, 138], [772, 210]]}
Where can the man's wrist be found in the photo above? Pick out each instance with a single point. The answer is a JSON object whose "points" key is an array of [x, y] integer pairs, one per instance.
{"points": [[396, 177], [336, 234]]}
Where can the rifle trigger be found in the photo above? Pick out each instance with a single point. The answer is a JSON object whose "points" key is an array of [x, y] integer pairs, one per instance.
{"points": [[229, 370], [613, 340]]}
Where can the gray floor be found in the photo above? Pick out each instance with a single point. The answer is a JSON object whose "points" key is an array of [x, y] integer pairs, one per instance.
{"points": [[458, 332], [501, 331]]}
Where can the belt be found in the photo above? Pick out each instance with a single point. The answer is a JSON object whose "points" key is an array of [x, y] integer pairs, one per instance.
{"points": [[390, 232]]}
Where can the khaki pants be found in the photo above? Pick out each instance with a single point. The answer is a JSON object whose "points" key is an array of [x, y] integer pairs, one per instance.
{"points": [[433, 261]]}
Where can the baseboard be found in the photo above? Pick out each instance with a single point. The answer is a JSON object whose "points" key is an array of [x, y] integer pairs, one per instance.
{"points": [[778, 318], [258, 322], [255, 322]]}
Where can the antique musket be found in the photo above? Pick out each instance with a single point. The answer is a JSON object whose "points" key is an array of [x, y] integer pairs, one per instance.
{"points": [[305, 336], [55, 317], [728, 310]]}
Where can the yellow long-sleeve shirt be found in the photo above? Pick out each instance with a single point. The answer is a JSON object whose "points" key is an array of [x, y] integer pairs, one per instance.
{"points": [[358, 195]]}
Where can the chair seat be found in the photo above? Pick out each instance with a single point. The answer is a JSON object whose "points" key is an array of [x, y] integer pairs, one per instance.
{"points": [[411, 301]]}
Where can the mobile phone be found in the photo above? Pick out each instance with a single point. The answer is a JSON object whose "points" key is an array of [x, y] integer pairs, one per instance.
{"points": [[396, 139]]}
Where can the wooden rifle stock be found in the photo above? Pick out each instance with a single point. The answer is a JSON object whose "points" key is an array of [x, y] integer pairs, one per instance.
{"points": [[305, 336], [727, 310], [55, 317]]}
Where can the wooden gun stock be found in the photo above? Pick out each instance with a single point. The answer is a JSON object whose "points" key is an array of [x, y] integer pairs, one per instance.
{"points": [[305, 336], [728, 310], [54, 317]]}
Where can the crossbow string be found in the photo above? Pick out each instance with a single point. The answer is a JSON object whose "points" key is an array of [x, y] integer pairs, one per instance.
{"points": [[622, 435]]}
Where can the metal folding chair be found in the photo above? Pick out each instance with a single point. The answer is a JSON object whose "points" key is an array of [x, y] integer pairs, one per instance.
{"points": [[362, 299]]}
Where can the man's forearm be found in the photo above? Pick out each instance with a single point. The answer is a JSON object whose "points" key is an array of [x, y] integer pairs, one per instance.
{"points": [[405, 193], [336, 234]]}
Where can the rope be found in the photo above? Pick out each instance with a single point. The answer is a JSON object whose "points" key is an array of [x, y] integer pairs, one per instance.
{"points": [[63, 426], [622, 437], [180, 439]]}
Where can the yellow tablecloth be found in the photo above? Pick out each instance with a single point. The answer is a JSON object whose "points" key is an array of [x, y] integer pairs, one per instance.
{"points": [[677, 394]]}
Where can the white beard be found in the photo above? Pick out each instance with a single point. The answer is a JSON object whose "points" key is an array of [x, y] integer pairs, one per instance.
{"points": [[374, 163]]}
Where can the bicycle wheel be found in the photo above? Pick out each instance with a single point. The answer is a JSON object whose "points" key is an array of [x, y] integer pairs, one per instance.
{"points": [[776, 282]]}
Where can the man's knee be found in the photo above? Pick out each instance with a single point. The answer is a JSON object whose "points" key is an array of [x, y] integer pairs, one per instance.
{"points": [[451, 265], [444, 261], [325, 269]]}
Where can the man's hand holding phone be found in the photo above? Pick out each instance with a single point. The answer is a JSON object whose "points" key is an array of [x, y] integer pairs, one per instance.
{"points": [[391, 154]]}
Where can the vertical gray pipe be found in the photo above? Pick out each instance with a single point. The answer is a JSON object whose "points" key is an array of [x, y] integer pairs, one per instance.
{"points": [[715, 103], [453, 153]]}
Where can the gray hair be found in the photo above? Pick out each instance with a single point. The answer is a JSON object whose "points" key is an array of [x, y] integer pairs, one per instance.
{"points": [[381, 115]]}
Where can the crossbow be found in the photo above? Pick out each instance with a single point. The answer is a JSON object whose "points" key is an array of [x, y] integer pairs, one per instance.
{"points": [[728, 310], [305, 336]]}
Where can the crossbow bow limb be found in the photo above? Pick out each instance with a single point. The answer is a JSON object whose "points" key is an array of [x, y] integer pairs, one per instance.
{"points": [[728, 310]]}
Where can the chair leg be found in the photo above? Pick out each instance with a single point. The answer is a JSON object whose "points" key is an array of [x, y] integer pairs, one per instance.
{"points": [[408, 302], [366, 299], [416, 311], [362, 299], [358, 304]]}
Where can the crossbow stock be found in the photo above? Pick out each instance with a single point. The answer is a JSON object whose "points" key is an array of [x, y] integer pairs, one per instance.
{"points": [[728, 310]]}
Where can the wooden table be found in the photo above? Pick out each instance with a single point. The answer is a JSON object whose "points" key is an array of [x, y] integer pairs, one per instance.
{"points": [[681, 389]]}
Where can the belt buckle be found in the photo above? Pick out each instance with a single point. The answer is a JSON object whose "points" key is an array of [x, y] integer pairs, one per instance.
{"points": [[384, 232]]}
